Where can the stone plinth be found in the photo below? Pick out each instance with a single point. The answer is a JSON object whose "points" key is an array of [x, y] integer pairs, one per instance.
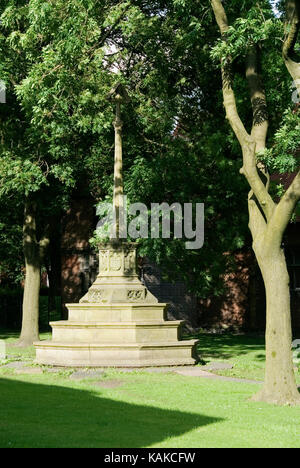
{"points": [[118, 281], [118, 323]]}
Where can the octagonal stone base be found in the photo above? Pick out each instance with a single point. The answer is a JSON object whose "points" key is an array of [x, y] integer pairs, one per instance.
{"points": [[118, 323], [114, 355]]}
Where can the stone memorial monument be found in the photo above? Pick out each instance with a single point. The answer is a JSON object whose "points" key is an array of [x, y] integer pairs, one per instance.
{"points": [[118, 323]]}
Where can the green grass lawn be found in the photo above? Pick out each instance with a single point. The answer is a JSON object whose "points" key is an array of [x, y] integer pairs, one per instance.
{"points": [[146, 409]]}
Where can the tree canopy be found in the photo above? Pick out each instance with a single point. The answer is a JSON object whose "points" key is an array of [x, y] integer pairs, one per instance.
{"points": [[70, 54], [60, 60]]}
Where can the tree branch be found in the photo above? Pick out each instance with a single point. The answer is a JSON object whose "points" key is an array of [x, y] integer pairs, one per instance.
{"points": [[260, 122], [247, 142], [284, 210], [292, 27], [257, 222], [110, 30], [258, 98], [43, 246], [220, 15]]}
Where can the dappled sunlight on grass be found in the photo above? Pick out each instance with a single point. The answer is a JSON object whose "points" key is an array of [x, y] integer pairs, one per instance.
{"points": [[229, 346], [245, 352]]}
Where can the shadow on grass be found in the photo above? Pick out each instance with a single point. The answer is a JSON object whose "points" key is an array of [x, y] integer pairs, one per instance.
{"points": [[37, 415], [230, 346]]}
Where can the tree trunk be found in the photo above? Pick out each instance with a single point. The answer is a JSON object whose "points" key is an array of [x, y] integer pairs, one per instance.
{"points": [[30, 319], [280, 384]]}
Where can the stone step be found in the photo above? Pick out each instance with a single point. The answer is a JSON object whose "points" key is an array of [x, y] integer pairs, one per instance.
{"points": [[123, 312], [116, 332], [116, 355]]}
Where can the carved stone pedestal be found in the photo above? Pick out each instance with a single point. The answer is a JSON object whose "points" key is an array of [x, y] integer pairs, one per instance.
{"points": [[118, 280], [118, 323]]}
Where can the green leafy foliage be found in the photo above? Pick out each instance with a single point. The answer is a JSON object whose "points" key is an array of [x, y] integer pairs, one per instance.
{"points": [[60, 59]]}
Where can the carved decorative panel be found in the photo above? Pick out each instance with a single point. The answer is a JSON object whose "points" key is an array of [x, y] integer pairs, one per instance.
{"points": [[115, 261], [136, 294], [104, 260]]}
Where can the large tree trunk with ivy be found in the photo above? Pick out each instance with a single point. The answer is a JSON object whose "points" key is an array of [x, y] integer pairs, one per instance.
{"points": [[267, 219], [33, 254]]}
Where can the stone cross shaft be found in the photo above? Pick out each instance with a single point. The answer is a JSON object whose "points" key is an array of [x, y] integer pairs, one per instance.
{"points": [[118, 170], [119, 96]]}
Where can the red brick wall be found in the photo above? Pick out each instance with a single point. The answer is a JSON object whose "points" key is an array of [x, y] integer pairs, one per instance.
{"points": [[77, 228], [231, 310]]}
